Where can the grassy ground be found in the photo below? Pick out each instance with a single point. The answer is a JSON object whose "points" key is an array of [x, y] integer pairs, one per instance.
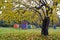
{"points": [[29, 34]]}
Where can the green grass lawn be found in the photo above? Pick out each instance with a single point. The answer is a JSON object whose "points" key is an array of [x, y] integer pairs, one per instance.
{"points": [[29, 34]]}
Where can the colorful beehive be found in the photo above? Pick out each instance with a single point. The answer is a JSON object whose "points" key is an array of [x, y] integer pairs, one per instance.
{"points": [[16, 25], [29, 26], [24, 25], [54, 26]]}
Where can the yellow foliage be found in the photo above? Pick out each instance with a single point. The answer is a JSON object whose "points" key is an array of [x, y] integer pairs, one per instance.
{"points": [[9, 15]]}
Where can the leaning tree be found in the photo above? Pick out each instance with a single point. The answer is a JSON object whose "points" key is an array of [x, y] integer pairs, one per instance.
{"points": [[45, 7]]}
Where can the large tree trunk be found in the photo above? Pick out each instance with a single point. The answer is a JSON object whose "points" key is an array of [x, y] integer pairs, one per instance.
{"points": [[45, 25]]}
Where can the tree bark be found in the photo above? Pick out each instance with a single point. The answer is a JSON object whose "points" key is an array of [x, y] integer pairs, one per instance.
{"points": [[45, 25]]}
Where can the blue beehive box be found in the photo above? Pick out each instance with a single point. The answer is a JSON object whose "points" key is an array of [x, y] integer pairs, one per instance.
{"points": [[23, 26], [29, 26], [54, 26]]}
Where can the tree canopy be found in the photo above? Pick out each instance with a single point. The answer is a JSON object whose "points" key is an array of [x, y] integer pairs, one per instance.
{"points": [[18, 10]]}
